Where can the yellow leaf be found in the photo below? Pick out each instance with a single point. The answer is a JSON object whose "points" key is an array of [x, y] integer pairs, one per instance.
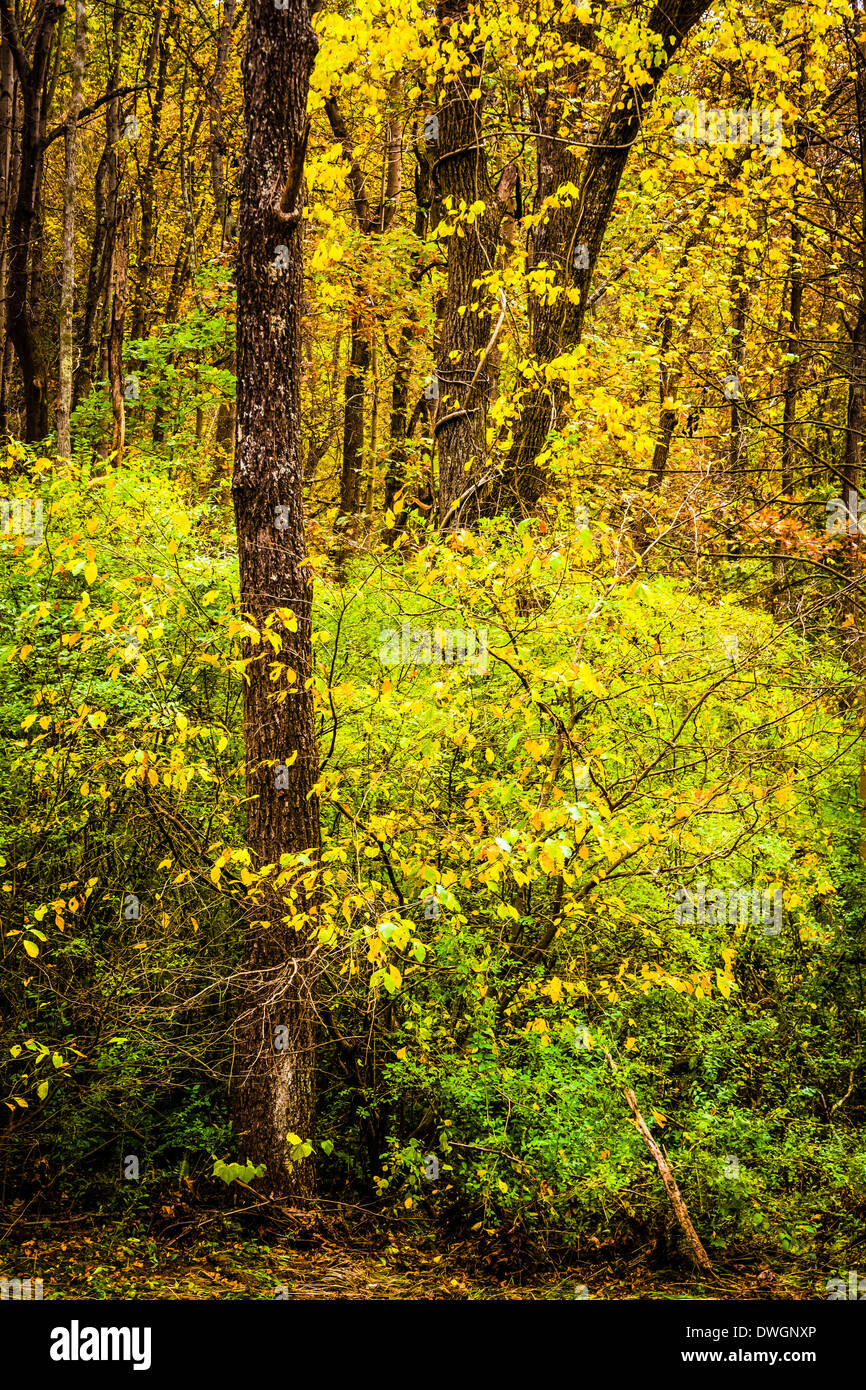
{"points": [[589, 681], [31, 948], [90, 572]]}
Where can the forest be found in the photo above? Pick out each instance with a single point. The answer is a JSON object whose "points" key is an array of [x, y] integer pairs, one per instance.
{"points": [[432, 649]]}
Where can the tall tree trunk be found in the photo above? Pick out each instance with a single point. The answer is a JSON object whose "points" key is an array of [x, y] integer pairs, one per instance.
{"points": [[275, 1087], [140, 303], [792, 370], [571, 237], [22, 328], [739, 295], [172, 307], [374, 434], [105, 220], [119, 286], [396, 467], [217, 135], [97, 282], [461, 174], [67, 292], [7, 125], [370, 222], [353, 412]]}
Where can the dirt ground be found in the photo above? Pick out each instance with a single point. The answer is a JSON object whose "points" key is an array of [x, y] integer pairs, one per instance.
{"points": [[79, 1259]]}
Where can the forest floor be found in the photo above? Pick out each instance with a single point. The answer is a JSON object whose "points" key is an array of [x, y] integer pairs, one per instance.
{"points": [[97, 1262]]}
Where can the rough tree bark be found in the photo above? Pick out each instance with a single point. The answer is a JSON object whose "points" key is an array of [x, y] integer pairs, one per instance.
{"points": [[217, 135], [371, 221], [7, 126], [275, 1086], [67, 291], [119, 289], [557, 326], [792, 370], [147, 232], [105, 220], [396, 467], [460, 174], [32, 73]]}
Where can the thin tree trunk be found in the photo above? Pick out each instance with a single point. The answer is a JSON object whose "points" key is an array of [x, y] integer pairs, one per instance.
{"points": [[681, 1211], [374, 429], [217, 135], [147, 234], [396, 467], [96, 283], [275, 1087], [119, 286], [172, 307], [370, 222], [739, 295], [792, 370], [855, 432], [96, 304], [67, 293], [353, 414]]}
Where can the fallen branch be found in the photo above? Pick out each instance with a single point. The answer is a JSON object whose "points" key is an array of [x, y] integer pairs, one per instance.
{"points": [[681, 1211]]}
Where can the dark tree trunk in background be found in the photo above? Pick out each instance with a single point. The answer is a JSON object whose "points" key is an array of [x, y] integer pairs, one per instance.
{"points": [[141, 302], [67, 293], [371, 221], [460, 173], [395, 472], [792, 370], [855, 414], [105, 221], [740, 300], [217, 135], [7, 165], [855, 432], [119, 288], [275, 1089], [353, 412], [557, 327], [21, 323]]}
